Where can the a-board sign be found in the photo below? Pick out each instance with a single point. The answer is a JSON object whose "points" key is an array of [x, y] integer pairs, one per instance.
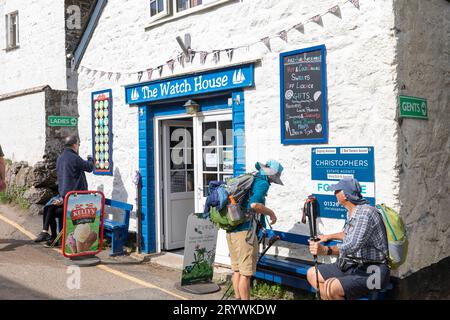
{"points": [[83, 223], [331, 164], [303, 96], [199, 250]]}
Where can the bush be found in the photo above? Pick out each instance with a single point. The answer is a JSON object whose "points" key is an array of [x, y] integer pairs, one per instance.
{"points": [[14, 195]]}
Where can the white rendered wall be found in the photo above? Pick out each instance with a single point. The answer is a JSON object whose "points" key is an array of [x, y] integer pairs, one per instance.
{"points": [[40, 60], [360, 73], [22, 128]]}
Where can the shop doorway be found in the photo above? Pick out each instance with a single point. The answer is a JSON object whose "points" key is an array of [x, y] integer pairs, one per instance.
{"points": [[194, 151]]}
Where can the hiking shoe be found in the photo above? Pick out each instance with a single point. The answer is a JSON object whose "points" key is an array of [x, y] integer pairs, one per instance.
{"points": [[43, 236], [49, 242]]}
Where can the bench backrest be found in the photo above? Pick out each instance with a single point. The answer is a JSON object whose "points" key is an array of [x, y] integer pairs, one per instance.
{"points": [[126, 207], [295, 238]]}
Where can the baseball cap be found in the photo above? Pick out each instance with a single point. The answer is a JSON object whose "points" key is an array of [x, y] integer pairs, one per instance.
{"points": [[351, 188], [272, 169]]}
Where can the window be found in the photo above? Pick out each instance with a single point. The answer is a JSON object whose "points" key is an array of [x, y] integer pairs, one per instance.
{"points": [[12, 30], [158, 8], [177, 8]]}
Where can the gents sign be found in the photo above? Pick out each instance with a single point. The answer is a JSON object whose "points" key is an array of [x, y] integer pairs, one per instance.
{"points": [[412, 107], [56, 121], [329, 165], [303, 96], [213, 81]]}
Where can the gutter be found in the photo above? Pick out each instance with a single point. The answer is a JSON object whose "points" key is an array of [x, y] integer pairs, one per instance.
{"points": [[87, 34]]}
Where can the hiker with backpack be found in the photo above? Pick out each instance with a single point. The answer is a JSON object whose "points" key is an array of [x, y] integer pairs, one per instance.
{"points": [[239, 208], [364, 249]]}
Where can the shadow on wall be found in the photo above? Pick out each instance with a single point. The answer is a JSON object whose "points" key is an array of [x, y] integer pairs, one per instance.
{"points": [[119, 193]]}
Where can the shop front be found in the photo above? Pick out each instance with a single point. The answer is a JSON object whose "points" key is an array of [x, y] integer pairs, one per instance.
{"points": [[191, 132]]}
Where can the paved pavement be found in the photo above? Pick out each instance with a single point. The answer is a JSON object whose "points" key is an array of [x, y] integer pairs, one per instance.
{"points": [[31, 271]]}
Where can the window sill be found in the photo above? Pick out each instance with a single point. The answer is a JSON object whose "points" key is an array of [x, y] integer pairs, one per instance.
{"points": [[186, 13], [11, 48]]}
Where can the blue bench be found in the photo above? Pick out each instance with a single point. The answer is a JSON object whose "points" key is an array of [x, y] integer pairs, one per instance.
{"points": [[117, 230], [292, 272]]}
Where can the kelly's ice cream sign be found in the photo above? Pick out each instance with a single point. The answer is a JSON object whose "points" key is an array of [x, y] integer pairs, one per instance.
{"points": [[83, 224], [200, 83]]}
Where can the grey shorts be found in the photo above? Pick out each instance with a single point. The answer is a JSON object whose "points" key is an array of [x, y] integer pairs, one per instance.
{"points": [[355, 280]]}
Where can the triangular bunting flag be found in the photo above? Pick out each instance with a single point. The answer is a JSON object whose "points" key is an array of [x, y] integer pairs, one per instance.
{"points": [[118, 75], [171, 63], [181, 59], [140, 74], [88, 71], [216, 56], [336, 11], [283, 35], [149, 73], [230, 53], [94, 73], [266, 42], [317, 19], [160, 70], [355, 3], [110, 74], [102, 74], [300, 27], [203, 56], [192, 54]]}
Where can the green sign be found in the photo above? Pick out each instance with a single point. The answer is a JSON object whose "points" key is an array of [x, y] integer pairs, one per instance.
{"points": [[56, 121], [412, 107]]}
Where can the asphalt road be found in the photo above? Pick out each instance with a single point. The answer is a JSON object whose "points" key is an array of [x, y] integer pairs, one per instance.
{"points": [[31, 271]]}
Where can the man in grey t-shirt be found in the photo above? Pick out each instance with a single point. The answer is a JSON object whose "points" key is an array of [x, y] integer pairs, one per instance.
{"points": [[2, 171]]}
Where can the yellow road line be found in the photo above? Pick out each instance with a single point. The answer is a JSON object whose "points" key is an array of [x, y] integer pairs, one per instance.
{"points": [[101, 267]]}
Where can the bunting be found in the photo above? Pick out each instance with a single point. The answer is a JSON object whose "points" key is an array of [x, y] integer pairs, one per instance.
{"points": [[182, 58]]}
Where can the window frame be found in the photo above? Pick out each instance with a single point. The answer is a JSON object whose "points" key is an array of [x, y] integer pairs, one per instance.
{"points": [[8, 31], [164, 13], [173, 14]]}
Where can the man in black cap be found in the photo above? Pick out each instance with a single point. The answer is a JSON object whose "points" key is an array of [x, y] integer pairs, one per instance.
{"points": [[71, 170], [363, 251]]}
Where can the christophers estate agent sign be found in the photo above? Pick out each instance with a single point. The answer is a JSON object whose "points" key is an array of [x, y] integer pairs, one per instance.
{"points": [[212, 81]]}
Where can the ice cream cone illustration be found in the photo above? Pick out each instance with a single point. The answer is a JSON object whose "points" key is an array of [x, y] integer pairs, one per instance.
{"points": [[84, 237]]}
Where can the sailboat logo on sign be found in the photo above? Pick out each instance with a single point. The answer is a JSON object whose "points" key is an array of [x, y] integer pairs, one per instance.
{"points": [[238, 77], [135, 95]]}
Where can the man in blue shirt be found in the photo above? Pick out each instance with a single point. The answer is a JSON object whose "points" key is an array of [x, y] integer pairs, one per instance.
{"points": [[71, 170], [242, 253]]}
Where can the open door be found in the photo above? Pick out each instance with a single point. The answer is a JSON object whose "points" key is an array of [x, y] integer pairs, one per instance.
{"points": [[178, 168]]}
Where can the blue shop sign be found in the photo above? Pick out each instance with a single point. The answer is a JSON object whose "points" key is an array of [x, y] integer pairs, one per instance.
{"points": [[201, 83], [338, 163], [329, 165]]}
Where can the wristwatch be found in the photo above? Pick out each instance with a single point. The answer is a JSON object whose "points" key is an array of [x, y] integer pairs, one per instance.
{"points": [[329, 251]]}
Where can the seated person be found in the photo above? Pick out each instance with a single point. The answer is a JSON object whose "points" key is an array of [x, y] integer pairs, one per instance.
{"points": [[364, 249]]}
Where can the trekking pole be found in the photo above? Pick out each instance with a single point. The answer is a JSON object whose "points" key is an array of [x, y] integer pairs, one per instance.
{"points": [[308, 211]]}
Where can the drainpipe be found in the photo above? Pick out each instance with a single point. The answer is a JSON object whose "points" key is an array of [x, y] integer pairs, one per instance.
{"points": [[138, 182]]}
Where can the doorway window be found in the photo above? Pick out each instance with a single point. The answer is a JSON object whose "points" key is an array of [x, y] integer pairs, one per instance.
{"points": [[217, 151], [181, 160]]}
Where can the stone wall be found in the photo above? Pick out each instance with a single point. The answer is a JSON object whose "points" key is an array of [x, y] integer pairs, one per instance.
{"points": [[423, 70]]}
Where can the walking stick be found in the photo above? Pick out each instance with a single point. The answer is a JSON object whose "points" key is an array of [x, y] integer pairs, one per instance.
{"points": [[310, 210]]}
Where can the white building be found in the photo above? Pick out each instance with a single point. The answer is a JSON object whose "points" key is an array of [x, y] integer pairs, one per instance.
{"points": [[374, 51], [35, 77]]}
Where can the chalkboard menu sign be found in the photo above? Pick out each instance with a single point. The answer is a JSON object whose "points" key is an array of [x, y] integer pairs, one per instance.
{"points": [[303, 96]]}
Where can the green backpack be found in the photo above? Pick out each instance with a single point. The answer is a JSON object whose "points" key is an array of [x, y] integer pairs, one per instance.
{"points": [[238, 187], [396, 233]]}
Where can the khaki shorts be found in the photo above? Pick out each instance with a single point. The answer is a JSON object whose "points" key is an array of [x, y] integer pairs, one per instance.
{"points": [[243, 256]]}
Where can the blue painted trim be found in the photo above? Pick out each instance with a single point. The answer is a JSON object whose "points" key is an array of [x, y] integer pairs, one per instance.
{"points": [[111, 137], [322, 48], [238, 134], [87, 35]]}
